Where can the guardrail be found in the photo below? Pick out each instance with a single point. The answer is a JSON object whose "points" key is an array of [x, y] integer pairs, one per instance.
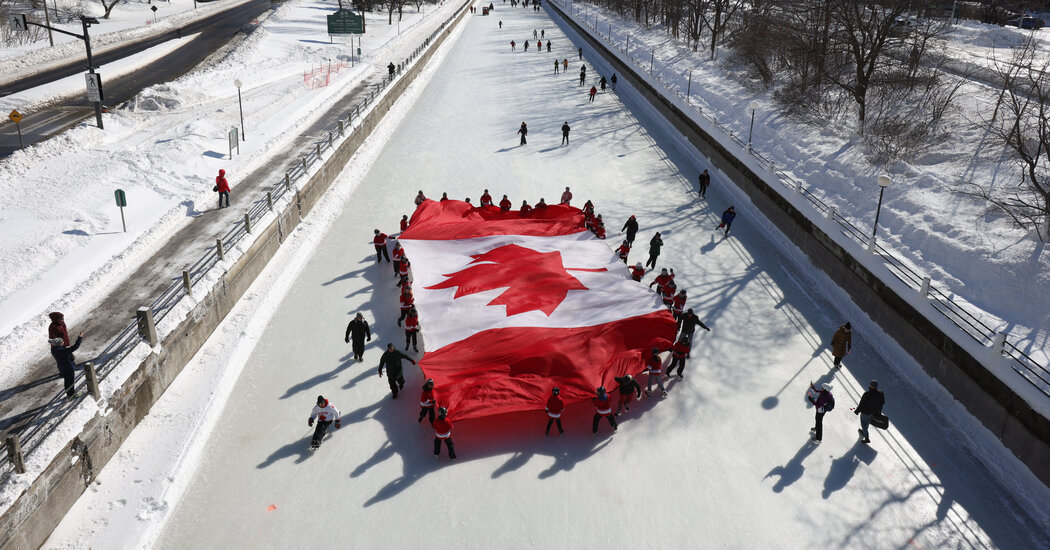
{"points": [[32, 433], [1035, 373]]}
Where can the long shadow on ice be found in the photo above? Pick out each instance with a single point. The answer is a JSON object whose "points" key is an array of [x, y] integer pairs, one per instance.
{"points": [[844, 467], [792, 471]]}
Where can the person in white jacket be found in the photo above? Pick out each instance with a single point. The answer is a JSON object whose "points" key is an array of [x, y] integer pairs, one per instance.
{"points": [[325, 413]]}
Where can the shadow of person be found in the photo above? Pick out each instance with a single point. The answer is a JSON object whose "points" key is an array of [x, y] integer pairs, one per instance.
{"points": [[365, 374], [793, 470], [300, 448], [318, 379], [844, 467], [709, 246]]}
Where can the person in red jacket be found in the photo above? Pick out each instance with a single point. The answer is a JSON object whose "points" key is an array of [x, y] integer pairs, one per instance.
{"points": [[426, 401], [398, 254], [593, 92], [602, 407], [588, 207], [525, 209], [654, 367], [486, 198], [588, 221], [541, 205], [566, 196], [623, 251], [57, 328], [443, 432], [412, 328], [554, 408], [223, 188], [637, 272], [679, 353], [667, 294], [403, 266], [407, 302], [404, 223], [678, 307], [599, 231], [504, 205], [662, 279], [380, 243]]}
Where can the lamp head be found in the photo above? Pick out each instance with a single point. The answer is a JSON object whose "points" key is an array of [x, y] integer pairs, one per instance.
{"points": [[884, 181], [237, 83], [753, 105]]}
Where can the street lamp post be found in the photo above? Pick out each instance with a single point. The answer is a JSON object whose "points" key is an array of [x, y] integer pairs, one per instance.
{"points": [[884, 182], [240, 106], [754, 107]]}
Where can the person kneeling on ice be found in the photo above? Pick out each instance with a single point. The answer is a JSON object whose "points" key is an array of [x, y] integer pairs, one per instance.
{"points": [[325, 413], [629, 388], [391, 361], [443, 431], [426, 401], [554, 408], [602, 407]]}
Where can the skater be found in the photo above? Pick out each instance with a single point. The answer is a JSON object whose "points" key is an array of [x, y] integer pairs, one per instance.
{"points": [[541, 32], [404, 223], [525, 209], [592, 93], [871, 403], [359, 332], [689, 322], [667, 294], [581, 53], [601, 83], [623, 251], [631, 228], [556, 66], [539, 46], [613, 81], [842, 343], [678, 307], [326, 414], [629, 389], [407, 303], [501, 24], [602, 407], [564, 127], [705, 180], [565, 65], [637, 272], [524, 131], [654, 250], [512, 45], [380, 243], [534, 33], [566, 197], [554, 408], [443, 432], [412, 329], [420, 198], [64, 360], [426, 401], [57, 328], [661, 280], [398, 254], [824, 402], [549, 49], [679, 353], [391, 361], [222, 187], [727, 219], [654, 367], [526, 45], [504, 205], [486, 198]]}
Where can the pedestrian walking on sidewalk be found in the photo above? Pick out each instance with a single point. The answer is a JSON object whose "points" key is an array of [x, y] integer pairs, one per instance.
{"points": [[222, 187], [564, 129], [524, 131], [64, 359]]}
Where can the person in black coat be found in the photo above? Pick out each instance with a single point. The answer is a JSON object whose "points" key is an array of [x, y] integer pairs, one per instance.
{"points": [[688, 323], [654, 250], [359, 331], [704, 180], [64, 358], [391, 361], [871, 403], [629, 389], [631, 228]]}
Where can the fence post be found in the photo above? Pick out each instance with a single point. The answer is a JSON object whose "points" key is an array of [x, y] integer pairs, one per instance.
{"points": [[318, 150], [220, 250], [924, 289], [340, 126], [147, 328], [652, 57], [269, 200], [998, 343], [248, 223], [186, 283], [287, 181], [91, 377], [14, 452], [304, 166]]}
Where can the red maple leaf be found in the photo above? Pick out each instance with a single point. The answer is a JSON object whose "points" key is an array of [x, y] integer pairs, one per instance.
{"points": [[534, 280]]}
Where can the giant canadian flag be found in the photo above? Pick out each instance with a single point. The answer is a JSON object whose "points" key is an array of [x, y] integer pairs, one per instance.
{"points": [[513, 306]]}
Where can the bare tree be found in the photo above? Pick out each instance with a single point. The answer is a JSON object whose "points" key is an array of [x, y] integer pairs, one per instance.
{"points": [[108, 7], [722, 12], [1021, 123]]}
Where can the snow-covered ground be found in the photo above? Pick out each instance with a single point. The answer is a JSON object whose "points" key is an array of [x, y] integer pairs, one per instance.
{"points": [[724, 461], [64, 249], [996, 270]]}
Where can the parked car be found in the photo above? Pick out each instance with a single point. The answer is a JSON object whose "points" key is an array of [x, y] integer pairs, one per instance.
{"points": [[1027, 22]]}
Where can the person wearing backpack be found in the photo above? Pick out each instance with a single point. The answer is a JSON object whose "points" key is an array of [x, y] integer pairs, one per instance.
{"points": [[824, 402]]}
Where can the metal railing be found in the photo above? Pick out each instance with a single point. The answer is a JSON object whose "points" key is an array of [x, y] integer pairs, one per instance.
{"points": [[1037, 374], [49, 416]]}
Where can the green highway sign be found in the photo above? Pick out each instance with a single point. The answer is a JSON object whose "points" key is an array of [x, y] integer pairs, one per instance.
{"points": [[122, 199], [346, 22]]}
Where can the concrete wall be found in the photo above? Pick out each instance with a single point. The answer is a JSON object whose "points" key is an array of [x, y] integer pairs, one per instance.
{"points": [[1021, 429], [31, 518]]}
